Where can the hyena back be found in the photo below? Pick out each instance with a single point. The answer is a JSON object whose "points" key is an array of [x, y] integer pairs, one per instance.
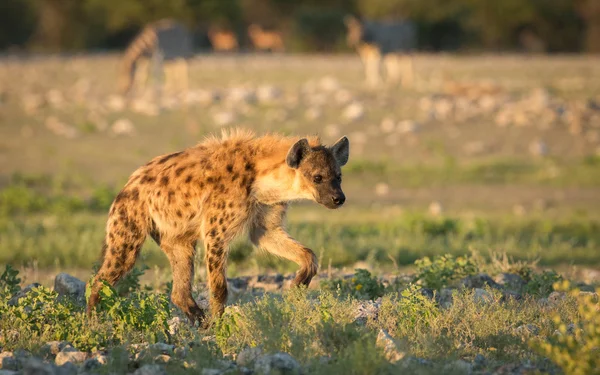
{"points": [[213, 192]]}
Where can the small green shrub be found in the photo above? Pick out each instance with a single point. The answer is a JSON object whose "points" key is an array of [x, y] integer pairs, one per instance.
{"points": [[9, 281], [361, 286], [443, 270], [541, 284]]}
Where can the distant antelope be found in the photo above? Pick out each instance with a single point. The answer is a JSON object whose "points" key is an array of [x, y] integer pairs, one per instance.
{"points": [[265, 40], [166, 45], [222, 40], [392, 41]]}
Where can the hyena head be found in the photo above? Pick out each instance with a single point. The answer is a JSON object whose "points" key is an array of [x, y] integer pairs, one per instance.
{"points": [[319, 170], [355, 31]]}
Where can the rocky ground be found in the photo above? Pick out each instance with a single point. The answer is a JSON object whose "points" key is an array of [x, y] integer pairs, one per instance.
{"points": [[61, 357]]}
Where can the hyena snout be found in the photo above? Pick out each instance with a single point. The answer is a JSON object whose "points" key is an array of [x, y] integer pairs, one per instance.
{"points": [[338, 199]]}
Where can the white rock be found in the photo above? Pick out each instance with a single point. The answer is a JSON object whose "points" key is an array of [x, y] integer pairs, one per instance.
{"points": [[115, 103], [278, 363], [268, 93], [538, 148], [123, 126], [482, 296], [329, 83], [224, 118], [389, 346], [67, 285], [75, 357], [435, 208], [382, 189], [407, 126], [387, 125], [354, 111], [313, 113]]}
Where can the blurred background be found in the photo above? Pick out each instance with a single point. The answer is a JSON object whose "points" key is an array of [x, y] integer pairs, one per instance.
{"points": [[307, 25], [494, 148]]}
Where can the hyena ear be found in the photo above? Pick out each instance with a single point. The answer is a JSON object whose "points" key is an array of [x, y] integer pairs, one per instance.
{"points": [[341, 151], [297, 152]]}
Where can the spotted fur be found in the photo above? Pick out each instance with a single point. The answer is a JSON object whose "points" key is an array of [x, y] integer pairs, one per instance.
{"points": [[213, 192]]}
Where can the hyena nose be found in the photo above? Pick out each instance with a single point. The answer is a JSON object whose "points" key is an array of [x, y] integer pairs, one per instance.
{"points": [[338, 200]]}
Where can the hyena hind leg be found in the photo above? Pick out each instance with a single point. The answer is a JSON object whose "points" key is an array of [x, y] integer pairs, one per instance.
{"points": [[118, 260], [124, 239]]}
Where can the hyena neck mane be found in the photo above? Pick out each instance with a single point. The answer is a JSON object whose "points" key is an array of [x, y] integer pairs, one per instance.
{"points": [[276, 182]]}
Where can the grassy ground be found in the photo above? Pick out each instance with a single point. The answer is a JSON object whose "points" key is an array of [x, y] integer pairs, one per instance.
{"points": [[435, 169]]}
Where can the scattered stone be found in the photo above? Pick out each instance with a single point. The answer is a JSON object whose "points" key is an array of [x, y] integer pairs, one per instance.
{"points": [[224, 118], [510, 281], [70, 356], [94, 363], [268, 283], [211, 371], [60, 128], [248, 356], [162, 359], [556, 297], [313, 113], [34, 366], [174, 325], [478, 281], [32, 102], [407, 126], [150, 370], [459, 366], [538, 148], [343, 96], [479, 362], [278, 363], [69, 286], [382, 189], [8, 372], [527, 329], [482, 296], [52, 348], [68, 368], [390, 349], [365, 311], [8, 361], [14, 301], [268, 93], [123, 126], [329, 83], [115, 103], [162, 348], [444, 298], [354, 112], [435, 208], [55, 98]]}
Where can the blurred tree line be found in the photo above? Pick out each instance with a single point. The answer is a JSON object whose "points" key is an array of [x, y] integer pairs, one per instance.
{"points": [[308, 25]]}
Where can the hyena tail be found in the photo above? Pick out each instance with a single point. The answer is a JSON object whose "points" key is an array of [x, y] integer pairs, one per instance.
{"points": [[125, 235]]}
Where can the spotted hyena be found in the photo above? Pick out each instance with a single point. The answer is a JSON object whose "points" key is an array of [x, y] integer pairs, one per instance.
{"points": [[213, 192]]}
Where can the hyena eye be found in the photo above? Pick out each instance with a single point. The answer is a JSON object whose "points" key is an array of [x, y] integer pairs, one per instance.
{"points": [[318, 178]]}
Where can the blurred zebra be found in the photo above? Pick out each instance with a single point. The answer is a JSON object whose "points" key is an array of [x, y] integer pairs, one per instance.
{"points": [[163, 45], [390, 41]]}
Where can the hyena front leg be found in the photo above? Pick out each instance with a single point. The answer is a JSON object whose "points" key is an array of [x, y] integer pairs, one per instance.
{"points": [[267, 233], [181, 256], [216, 264]]}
